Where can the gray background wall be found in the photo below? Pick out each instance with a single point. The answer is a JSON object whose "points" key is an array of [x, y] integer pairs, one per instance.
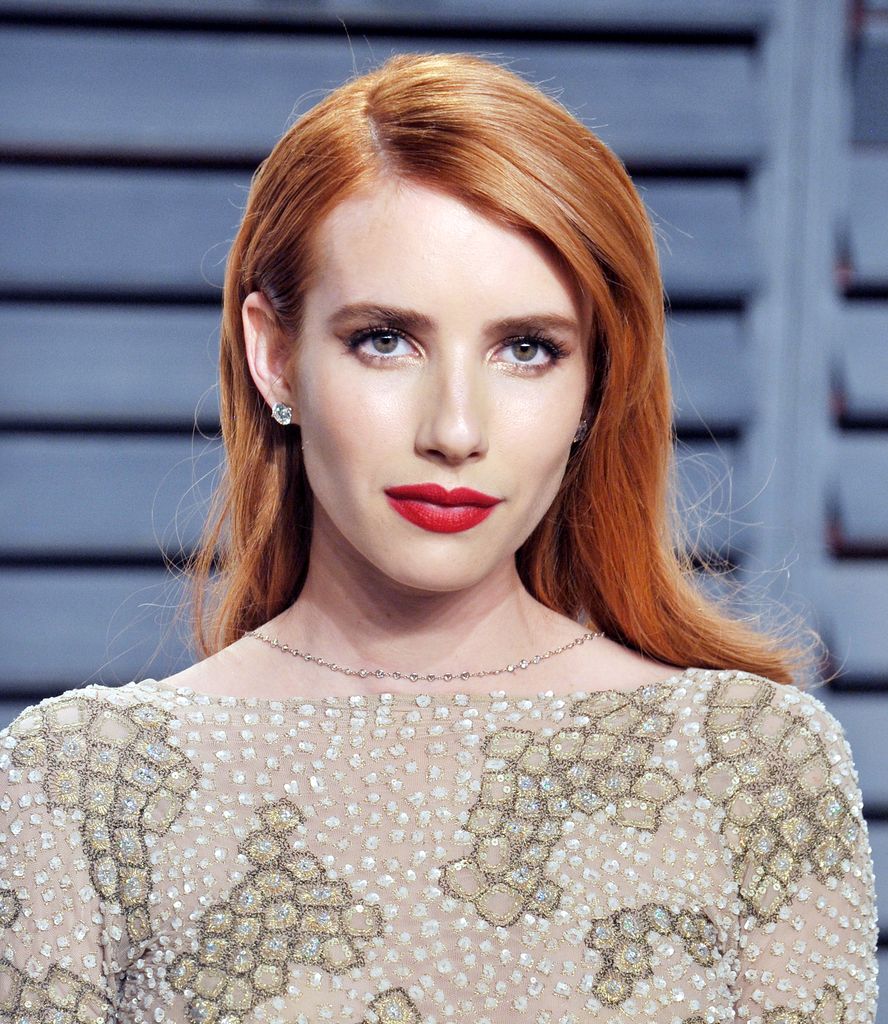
{"points": [[756, 131]]}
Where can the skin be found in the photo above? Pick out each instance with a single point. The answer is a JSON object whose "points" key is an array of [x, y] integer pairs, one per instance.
{"points": [[452, 401]]}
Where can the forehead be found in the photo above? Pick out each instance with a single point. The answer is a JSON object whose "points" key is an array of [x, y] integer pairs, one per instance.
{"points": [[410, 236]]}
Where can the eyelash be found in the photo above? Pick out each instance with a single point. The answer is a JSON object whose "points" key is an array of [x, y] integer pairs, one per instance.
{"points": [[555, 349]]}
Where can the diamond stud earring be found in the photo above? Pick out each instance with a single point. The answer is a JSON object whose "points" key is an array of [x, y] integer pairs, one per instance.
{"points": [[581, 432], [282, 413]]}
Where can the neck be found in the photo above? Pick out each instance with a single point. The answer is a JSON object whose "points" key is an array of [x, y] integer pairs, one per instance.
{"points": [[374, 622]]}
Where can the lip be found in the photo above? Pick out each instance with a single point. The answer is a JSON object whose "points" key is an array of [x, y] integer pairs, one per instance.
{"points": [[433, 508], [440, 518], [437, 495]]}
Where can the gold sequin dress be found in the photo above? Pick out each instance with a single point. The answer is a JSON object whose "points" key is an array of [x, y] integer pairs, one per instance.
{"points": [[690, 851]]}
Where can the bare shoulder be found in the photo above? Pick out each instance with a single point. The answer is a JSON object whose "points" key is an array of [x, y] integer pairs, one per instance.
{"points": [[613, 666], [229, 671]]}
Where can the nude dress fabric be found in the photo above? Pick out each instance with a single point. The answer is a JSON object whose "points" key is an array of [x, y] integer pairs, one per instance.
{"points": [[690, 851]]}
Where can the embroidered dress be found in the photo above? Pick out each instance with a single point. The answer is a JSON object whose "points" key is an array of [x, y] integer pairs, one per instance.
{"points": [[690, 851]]}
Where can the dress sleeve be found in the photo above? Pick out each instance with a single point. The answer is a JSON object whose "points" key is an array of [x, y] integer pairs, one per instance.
{"points": [[808, 935], [55, 934]]}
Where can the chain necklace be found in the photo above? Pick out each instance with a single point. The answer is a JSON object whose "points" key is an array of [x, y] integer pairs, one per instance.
{"points": [[415, 676]]}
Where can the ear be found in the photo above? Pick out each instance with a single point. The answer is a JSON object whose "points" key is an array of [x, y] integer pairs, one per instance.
{"points": [[269, 354]]}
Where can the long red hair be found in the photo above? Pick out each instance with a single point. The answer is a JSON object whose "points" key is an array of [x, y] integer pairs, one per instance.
{"points": [[613, 551]]}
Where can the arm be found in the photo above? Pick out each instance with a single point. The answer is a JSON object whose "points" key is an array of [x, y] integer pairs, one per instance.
{"points": [[807, 947], [54, 928]]}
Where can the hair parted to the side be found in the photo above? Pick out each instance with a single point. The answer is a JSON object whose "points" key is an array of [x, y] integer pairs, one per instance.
{"points": [[612, 552]]}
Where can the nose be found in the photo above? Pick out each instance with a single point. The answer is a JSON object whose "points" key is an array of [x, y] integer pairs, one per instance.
{"points": [[453, 409]]}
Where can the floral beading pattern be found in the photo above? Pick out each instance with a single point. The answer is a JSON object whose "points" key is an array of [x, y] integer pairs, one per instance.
{"points": [[10, 907], [394, 1006], [623, 941], [771, 774], [286, 910], [830, 1009], [531, 784], [61, 997], [117, 767]]}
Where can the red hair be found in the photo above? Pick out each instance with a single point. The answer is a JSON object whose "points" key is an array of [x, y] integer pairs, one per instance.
{"points": [[612, 551]]}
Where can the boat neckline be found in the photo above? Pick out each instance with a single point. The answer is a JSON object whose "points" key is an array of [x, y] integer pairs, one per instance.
{"points": [[405, 700]]}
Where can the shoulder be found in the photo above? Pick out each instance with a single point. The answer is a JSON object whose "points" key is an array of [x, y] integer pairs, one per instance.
{"points": [[746, 709], [738, 695], [92, 742], [86, 698], [776, 760], [740, 688], [73, 710], [89, 778], [755, 733]]}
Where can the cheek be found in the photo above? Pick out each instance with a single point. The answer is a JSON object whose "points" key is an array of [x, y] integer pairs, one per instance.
{"points": [[536, 428], [345, 396], [537, 459], [351, 429]]}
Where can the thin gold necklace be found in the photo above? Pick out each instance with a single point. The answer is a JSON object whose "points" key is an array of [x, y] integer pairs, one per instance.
{"points": [[416, 676]]}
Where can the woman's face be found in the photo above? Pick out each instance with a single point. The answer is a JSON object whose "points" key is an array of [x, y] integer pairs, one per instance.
{"points": [[425, 358]]}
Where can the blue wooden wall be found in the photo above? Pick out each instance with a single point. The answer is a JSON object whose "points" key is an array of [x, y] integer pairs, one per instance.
{"points": [[757, 132]]}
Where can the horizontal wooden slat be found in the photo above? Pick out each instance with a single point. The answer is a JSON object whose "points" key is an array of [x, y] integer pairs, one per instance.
{"points": [[852, 605], [863, 719], [709, 372], [212, 95], [870, 83], [123, 365], [868, 218], [65, 627], [860, 362], [860, 475], [101, 496], [629, 15], [117, 231], [126, 376], [168, 232]]}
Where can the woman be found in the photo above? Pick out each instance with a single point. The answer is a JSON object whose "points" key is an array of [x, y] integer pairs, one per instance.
{"points": [[448, 426]]}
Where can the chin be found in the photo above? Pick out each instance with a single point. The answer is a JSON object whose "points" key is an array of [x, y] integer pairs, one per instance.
{"points": [[424, 576]]}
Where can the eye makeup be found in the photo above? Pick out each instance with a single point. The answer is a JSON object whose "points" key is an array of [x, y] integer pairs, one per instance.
{"points": [[553, 348]]}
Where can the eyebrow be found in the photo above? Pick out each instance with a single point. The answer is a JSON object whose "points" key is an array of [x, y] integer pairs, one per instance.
{"points": [[411, 320]]}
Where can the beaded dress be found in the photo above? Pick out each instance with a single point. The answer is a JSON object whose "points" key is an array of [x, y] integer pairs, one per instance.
{"points": [[691, 851]]}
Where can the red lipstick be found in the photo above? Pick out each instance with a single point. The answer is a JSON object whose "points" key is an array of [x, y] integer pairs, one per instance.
{"points": [[434, 508]]}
